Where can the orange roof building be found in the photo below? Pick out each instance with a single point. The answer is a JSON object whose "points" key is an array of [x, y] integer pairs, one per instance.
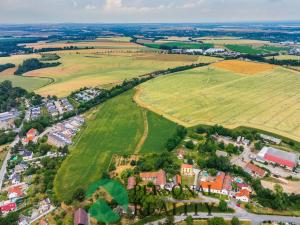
{"points": [[30, 135], [243, 195], [131, 183], [215, 185]]}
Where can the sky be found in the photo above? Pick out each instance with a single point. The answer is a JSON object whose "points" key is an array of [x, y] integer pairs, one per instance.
{"points": [[147, 11]]}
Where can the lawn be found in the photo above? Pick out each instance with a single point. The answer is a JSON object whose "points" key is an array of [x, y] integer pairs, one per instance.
{"points": [[81, 68], [246, 49], [160, 129], [268, 100], [274, 48], [115, 128]]}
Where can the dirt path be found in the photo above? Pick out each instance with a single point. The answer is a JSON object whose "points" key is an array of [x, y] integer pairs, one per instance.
{"points": [[145, 134]]}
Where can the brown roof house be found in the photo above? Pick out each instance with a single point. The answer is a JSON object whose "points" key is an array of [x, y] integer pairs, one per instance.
{"points": [[254, 170], [157, 178], [81, 217]]}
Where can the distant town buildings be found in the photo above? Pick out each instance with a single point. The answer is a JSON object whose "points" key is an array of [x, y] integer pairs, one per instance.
{"points": [[59, 107]]}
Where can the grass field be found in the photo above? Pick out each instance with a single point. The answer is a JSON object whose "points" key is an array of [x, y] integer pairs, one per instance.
{"points": [[79, 70], [174, 44], [115, 128], [160, 129], [245, 49], [28, 83], [284, 57], [269, 100]]}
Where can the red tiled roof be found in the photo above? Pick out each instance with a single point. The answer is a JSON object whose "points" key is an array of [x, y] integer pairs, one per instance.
{"points": [[217, 184], [17, 190], [242, 193], [131, 183], [186, 166], [227, 183], [280, 161], [158, 178], [8, 207], [80, 217], [43, 222], [255, 169]]}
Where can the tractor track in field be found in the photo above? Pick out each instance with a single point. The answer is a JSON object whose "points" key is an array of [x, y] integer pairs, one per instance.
{"points": [[145, 134]]}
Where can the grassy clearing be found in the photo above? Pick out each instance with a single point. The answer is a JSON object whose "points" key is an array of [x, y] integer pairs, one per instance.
{"points": [[245, 49], [268, 101], [160, 129], [270, 48], [28, 83], [79, 69], [115, 128]]}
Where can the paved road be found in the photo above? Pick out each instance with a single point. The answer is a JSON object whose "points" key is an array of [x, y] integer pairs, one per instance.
{"points": [[4, 165], [254, 218]]}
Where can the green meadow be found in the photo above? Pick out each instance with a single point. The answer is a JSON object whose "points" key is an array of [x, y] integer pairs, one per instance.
{"points": [[115, 127]]}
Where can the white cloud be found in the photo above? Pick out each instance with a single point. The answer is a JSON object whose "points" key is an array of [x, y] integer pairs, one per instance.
{"points": [[75, 4], [113, 4]]}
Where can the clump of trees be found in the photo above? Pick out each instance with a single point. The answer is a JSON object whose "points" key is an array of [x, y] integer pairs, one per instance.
{"points": [[6, 137], [33, 64], [49, 57], [174, 141], [6, 66], [10, 96]]}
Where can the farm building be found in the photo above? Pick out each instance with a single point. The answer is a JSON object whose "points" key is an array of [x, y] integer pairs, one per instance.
{"points": [[270, 138], [273, 155], [157, 178]]}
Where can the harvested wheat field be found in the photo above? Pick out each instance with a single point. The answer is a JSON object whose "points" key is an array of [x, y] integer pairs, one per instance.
{"points": [[80, 69], [268, 100], [243, 67]]}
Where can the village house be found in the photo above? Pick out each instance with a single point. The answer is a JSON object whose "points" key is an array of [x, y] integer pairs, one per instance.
{"points": [[81, 217], [243, 195], [187, 170], [30, 135], [26, 155], [157, 178], [221, 153], [131, 183], [15, 178], [212, 184], [15, 193], [227, 185], [254, 170]]}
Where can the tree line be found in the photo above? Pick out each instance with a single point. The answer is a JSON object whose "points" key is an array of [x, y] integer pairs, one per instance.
{"points": [[6, 66], [33, 64]]}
